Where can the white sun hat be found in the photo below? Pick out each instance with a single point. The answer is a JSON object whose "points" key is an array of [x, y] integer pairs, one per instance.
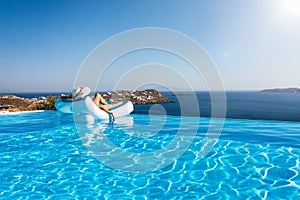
{"points": [[79, 93]]}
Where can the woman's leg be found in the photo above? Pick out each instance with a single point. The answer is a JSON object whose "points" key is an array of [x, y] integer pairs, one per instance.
{"points": [[106, 109], [98, 99]]}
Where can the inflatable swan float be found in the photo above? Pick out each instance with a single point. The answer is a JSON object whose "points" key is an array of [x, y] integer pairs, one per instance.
{"points": [[82, 103]]}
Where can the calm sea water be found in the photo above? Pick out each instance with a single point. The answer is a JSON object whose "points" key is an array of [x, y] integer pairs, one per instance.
{"points": [[43, 155], [241, 105]]}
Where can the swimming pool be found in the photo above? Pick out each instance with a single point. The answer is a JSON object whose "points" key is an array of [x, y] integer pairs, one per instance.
{"points": [[43, 156]]}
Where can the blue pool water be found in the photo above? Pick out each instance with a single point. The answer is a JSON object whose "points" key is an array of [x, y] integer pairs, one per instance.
{"points": [[43, 156]]}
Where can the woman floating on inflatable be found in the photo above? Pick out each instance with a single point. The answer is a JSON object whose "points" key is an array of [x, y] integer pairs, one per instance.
{"points": [[103, 105], [79, 95]]}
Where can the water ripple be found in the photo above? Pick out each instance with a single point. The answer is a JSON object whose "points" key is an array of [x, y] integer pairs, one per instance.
{"points": [[50, 162]]}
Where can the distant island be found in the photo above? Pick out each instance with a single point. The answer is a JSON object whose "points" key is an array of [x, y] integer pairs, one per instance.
{"points": [[286, 90], [12, 103]]}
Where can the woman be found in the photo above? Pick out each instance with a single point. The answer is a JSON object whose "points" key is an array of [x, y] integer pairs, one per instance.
{"points": [[102, 104], [80, 93]]}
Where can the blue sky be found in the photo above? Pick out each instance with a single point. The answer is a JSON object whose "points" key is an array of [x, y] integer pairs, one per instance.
{"points": [[255, 44]]}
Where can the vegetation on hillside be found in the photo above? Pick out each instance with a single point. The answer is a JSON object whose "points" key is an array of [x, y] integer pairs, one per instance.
{"points": [[48, 104]]}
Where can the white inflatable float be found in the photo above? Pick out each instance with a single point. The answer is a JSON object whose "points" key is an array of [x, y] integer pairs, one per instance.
{"points": [[119, 111], [86, 105]]}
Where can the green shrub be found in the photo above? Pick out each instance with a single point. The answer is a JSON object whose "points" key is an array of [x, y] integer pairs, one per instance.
{"points": [[48, 104]]}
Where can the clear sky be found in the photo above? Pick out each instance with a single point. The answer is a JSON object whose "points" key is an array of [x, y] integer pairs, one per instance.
{"points": [[255, 44]]}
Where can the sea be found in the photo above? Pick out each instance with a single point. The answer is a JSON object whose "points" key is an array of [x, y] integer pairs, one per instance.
{"points": [[239, 104]]}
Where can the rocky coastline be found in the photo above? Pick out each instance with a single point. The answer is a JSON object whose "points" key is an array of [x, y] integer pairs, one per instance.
{"points": [[12, 103], [285, 90], [149, 96]]}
